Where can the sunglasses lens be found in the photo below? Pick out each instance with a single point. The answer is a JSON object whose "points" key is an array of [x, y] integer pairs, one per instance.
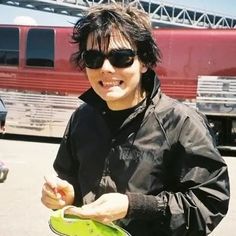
{"points": [[121, 58], [93, 59]]}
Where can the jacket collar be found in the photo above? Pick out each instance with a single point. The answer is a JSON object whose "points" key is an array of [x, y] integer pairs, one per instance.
{"points": [[150, 82]]}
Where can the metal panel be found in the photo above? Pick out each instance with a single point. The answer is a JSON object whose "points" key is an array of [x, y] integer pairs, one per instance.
{"points": [[38, 114], [217, 95]]}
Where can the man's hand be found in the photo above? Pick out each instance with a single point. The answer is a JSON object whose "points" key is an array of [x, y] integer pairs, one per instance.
{"points": [[109, 207], [57, 193]]}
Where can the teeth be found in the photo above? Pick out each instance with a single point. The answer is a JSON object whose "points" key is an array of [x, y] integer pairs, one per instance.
{"points": [[111, 83]]}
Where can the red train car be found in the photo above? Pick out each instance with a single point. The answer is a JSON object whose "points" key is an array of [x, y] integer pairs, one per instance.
{"points": [[40, 86]]}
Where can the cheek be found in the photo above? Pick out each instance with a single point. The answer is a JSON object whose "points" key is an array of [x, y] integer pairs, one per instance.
{"points": [[131, 79], [135, 71], [91, 75]]}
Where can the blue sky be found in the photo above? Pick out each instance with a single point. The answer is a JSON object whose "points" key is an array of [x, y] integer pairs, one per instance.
{"points": [[9, 14]]}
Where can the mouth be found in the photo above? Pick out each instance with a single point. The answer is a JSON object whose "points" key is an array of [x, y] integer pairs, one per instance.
{"points": [[108, 84]]}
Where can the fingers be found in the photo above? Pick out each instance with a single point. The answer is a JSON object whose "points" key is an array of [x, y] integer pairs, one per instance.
{"points": [[51, 182], [96, 210], [47, 190], [57, 185], [86, 212], [107, 208], [52, 203], [94, 204], [57, 193], [50, 198], [52, 195]]}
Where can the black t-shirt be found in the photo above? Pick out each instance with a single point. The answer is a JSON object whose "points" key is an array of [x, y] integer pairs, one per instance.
{"points": [[115, 118]]}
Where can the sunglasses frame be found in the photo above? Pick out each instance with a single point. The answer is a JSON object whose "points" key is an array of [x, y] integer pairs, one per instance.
{"points": [[119, 58]]}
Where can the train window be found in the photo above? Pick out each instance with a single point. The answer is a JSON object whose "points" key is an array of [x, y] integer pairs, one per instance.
{"points": [[40, 48], [9, 46]]}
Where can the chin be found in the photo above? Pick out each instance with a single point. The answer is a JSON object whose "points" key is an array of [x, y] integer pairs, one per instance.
{"points": [[110, 98]]}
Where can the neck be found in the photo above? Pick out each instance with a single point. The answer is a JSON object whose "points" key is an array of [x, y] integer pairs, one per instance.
{"points": [[127, 103]]}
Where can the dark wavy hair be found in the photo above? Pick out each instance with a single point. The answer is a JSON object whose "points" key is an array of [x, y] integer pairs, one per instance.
{"points": [[131, 22]]}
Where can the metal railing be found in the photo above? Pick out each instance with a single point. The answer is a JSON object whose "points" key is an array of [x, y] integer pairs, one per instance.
{"points": [[216, 95], [161, 14]]}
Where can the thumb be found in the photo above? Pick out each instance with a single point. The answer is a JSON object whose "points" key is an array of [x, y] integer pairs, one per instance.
{"points": [[51, 181], [56, 183], [96, 203]]}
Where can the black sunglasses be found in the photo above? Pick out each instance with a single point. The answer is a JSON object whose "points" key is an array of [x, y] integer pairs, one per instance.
{"points": [[120, 58]]}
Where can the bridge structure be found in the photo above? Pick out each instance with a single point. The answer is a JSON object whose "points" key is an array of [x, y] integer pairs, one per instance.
{"points": [[161, 14]]}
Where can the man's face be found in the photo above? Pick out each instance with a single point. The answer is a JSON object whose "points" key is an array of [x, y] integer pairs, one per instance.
{"points": [[119, 87]]}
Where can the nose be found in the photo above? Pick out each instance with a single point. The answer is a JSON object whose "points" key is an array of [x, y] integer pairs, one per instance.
{"points": [[107, 66]]}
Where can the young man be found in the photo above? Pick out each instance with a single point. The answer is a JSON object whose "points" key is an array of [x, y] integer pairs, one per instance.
{"points": [[131, 154]]}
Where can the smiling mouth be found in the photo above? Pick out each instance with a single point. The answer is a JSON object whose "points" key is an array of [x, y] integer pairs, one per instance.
{"points": [[110, 83]]}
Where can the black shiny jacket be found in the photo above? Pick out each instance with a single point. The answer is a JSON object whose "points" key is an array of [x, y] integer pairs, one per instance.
{"points": [[163, 157]]}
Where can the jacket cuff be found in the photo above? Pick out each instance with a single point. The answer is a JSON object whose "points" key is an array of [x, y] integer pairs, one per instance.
{"points": [[144, 206]]}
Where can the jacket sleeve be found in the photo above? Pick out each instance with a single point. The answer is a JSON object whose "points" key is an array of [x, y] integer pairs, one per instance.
{"points": [[197, 194], [65, 163]]}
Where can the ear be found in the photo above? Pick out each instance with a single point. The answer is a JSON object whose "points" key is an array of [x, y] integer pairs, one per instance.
{"points": [[143, 68]]}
